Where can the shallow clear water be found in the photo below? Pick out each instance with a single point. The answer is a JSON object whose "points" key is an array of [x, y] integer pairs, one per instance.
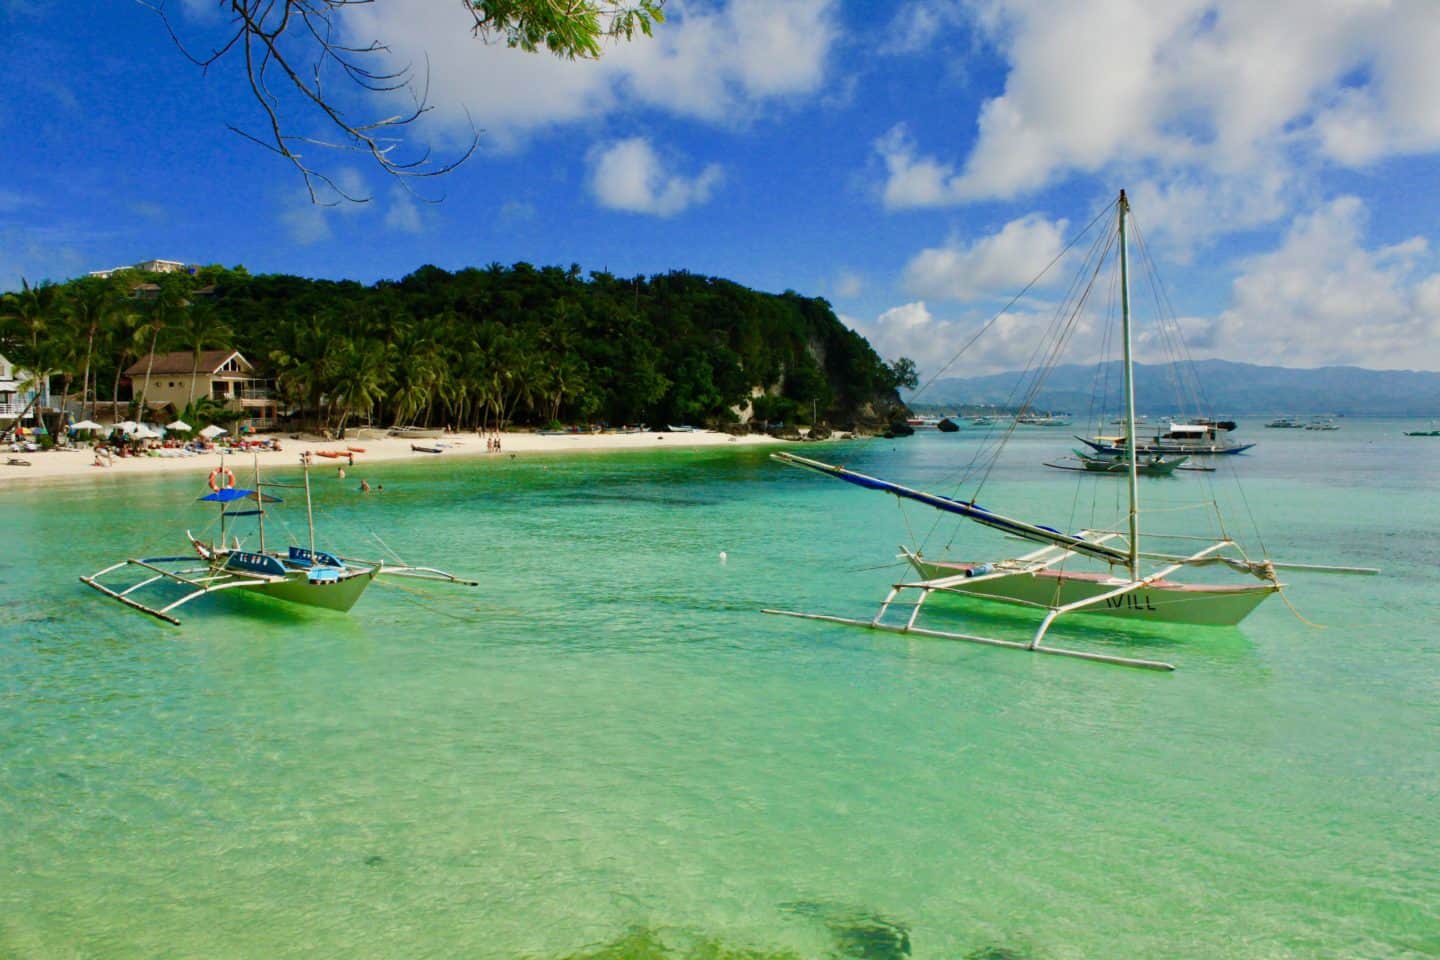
{"points": [[608, 744]]}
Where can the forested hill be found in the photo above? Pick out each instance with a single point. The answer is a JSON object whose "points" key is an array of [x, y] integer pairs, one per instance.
{"points": [[1225, 387], [520, 344]]}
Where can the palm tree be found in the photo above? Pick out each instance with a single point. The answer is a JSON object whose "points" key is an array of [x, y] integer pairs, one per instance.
{"points": [[91, 305], [127, 333], [362, 373], [200, 327], [159, 319], [35, 318], [305, 359]]}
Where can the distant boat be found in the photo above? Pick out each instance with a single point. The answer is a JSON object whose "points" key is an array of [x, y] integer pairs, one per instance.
{"points": [[301, 574], [428, 447], [1151, 466], [418, 433], [1200, 438], [1322, 423], [1286, 423], [1043, 420], [982, 421], [681, 429]]}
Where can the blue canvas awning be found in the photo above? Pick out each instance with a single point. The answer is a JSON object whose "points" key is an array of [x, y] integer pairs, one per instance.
{"points": [[231, 494]]}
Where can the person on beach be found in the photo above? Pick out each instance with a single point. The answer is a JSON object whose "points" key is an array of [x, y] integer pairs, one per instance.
{"points": [[341, 472], [364, 486]]}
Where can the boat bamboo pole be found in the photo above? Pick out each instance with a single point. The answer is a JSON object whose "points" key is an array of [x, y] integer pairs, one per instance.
{"points": [[1134, 562], [987, 641], [309, 510], [259, 504]]}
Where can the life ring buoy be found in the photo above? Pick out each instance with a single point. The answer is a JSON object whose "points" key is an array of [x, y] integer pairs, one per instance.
{"points": [[219, 474]]}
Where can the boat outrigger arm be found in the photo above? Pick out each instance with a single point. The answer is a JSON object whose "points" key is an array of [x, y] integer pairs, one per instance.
{"points": [[206, 579]]}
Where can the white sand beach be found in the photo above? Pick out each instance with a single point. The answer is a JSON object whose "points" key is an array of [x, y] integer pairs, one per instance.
{"points": [[77, 465]]}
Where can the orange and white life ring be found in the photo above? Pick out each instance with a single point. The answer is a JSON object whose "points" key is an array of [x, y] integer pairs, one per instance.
{"points": [[221, 477]]}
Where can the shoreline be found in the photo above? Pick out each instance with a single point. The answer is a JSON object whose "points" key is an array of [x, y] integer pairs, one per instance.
{"points": [[77, 465]]}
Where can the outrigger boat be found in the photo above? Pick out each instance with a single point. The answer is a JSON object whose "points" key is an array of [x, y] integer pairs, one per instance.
{"points": [[299, 574], [1134, 582], [1152, 466]]}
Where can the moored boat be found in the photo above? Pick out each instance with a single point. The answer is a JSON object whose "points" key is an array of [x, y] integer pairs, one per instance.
{"points": [[1198, 438], [299, 574], [1139, 578]]}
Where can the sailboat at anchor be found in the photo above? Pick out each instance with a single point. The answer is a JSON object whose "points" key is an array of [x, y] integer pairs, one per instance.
{"points": [[1136, 580]]}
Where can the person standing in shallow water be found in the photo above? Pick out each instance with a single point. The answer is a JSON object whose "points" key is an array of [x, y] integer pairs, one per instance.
{"points": [[364, 486]]}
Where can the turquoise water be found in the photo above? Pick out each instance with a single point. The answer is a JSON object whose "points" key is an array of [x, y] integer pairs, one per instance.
{"points": [[607, 750]]}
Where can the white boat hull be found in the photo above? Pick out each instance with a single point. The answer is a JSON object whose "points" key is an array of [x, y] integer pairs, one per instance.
{"points": [[1161, 602]]}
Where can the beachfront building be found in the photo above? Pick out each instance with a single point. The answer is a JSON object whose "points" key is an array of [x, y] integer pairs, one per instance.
{"points": [[223, 375], [15, 397], [149, 266]]}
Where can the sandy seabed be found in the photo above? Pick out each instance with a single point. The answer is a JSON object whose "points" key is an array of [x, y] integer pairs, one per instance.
{"points": [[77, 464]]}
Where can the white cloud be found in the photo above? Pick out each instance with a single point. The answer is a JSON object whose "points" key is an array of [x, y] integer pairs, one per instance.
{"points": [[848, 285], [1001, 263], [628, 175], [720, 64], [1323, 298], [914, 181], [918, 23], [309, 222], [911, 330], [1209, 92], [403, 214]]}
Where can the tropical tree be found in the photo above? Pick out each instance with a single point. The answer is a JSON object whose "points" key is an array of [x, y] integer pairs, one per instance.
{"points": [[160, 316], [93, 303], [33, 319], [199, 328], [361, 373]]}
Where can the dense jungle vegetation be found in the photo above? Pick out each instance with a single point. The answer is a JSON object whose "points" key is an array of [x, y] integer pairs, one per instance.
{"points": [[515, 345]]}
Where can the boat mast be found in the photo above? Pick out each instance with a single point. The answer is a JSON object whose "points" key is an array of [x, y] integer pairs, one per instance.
{"points": [[259, 503], [1130, 445], [309, 511]]}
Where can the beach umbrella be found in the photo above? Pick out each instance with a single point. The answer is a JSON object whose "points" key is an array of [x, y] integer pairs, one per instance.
{"points": [[178, 425], [127, 426], [211, 432], [143, 432], [86, 425]]}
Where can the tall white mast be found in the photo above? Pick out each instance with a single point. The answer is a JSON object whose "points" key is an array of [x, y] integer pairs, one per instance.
{"points": [[1130, 442]]}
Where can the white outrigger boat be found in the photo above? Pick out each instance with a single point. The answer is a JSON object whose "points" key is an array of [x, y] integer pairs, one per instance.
{"points": [[1133, 583], [299, 574]]}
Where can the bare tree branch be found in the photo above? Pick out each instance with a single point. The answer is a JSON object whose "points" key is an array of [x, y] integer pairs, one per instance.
{"points": [[289, 47]]}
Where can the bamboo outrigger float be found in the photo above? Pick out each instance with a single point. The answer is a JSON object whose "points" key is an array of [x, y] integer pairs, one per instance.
{"points": [[300, 574], [1136, 585]]}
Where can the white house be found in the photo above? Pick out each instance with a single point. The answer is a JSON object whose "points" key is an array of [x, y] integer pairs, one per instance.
{"points": [[14, 399], [150, 266]]}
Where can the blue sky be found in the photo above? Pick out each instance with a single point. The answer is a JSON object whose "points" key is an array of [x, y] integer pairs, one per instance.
{"points": [[914, 162]]}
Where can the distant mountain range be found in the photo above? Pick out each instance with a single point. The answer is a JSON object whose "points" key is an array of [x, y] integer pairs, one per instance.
{"points": [[1226, 388]]}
